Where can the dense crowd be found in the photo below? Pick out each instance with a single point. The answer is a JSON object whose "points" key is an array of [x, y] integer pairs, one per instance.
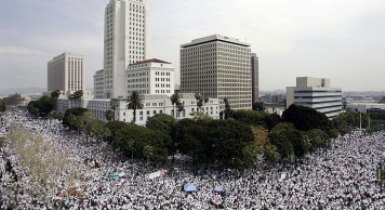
{"points": [[343, 177]]}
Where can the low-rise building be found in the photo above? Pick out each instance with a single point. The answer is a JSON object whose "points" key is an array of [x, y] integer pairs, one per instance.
{"points": [[316, 93], [152, 105], [151, 76]]}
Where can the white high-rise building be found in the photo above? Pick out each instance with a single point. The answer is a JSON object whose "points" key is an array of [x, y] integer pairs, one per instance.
{"points": [[65, 72], [125, 42], [219, 67], [316, 93], [151, 76]]}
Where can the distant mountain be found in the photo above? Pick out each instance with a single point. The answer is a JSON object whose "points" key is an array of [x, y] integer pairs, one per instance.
{"points": [[27, 91]]}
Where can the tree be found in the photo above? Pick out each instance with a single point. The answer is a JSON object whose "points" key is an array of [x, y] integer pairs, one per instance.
{"points": [[46, 104], [97, 128], [282, 143], [165, 124], [201, 100], [227, 108], [229, 142], [259, 107], [283, 126], [298, 140], [248, 116], [13, 100], [72, 118], [114, 128], [348, 121], [161, 122], [70, 98], [33, 108], [200, 116], [142, 143], [77, 95], [55, 95], [271, 154], [41, 108], [134, 103], [271, 120], [2, 105], [318, 138], [250, 154], [57, 115], [175, 100], [305, 118], [110, 115]]}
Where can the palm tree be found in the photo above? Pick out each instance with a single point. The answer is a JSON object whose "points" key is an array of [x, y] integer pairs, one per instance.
{"points": [[70, 98], [134, 103], [175, 100], [55, 95], [180, 106], [114, 103], [227, 108], [201, 100], [78, 95]]}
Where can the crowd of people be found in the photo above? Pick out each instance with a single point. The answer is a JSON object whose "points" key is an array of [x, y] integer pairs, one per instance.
{"points": [[342, 177]]}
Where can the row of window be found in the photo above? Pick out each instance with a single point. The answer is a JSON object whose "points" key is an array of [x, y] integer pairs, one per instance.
{"points": [[163, 85], [162, 91], [162, 79]]}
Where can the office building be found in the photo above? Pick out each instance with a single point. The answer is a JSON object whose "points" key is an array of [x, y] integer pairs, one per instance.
{"points": [[125, 43], [152, 76], [66, 73], [316, 93], [99, 84], [219, 67], [255, 78]]}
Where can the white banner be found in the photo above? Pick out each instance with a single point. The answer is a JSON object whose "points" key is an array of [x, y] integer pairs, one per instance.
{"points": [[155, 175]]}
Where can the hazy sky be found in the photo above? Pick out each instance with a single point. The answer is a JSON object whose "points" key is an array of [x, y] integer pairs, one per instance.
{"points": [[343, 40]]}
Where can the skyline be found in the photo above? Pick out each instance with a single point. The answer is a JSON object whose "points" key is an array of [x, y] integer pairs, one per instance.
{"points": [[337, 40]]}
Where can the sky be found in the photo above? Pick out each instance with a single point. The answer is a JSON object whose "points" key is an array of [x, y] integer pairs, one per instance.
{"points": [[343, 40]]}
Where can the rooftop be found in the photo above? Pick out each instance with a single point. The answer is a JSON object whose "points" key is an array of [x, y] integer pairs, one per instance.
{"points": [[215, 37], [153, 60]]}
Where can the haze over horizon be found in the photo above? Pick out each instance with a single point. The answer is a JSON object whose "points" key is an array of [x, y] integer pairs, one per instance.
{"points": [[343, 40]]}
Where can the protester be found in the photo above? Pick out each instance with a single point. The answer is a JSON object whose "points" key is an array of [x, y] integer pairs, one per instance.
{"points": [[343, 177]]}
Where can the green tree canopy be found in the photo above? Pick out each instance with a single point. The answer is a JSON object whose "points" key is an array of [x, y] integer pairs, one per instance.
{"points": [[282, 143], [2, 105], [305, 118], [271, 120], [161, 122], [142, 142], [41, 108], [248, 116], [110, 115], [259, 107], [227, 142], [318, 138], [78, 118], [13, 100]]}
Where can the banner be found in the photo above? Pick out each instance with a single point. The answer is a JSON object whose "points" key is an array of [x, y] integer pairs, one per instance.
{"points": [[155, 175]]}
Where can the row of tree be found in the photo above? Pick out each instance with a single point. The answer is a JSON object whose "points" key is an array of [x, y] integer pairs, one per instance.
{"points": [[13, 100], [235, 142]]}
